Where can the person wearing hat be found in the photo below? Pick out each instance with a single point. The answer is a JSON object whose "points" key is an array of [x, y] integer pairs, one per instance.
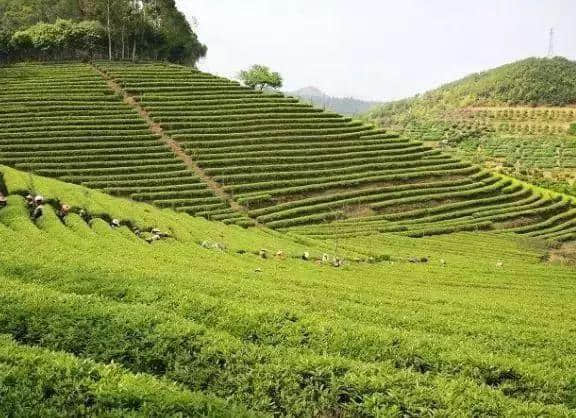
{"points": [[64, 211], [159, 233], [115, 223], [30, 200], [3, 201], [38, 207]]}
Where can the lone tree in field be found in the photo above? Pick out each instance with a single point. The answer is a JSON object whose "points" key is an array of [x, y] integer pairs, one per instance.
{"points": [[260, 76]]}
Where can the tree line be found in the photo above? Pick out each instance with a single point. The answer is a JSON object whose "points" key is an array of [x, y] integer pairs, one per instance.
{"points": [[87, 29]]}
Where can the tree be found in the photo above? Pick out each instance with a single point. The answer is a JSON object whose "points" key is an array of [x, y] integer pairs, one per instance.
{"points": [[62, 39], [109, 29], [260, 76], [139, 29]]}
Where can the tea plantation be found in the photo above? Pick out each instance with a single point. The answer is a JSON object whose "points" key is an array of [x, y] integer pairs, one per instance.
{"points": [[519, 118], [96, 321], [309, 265], [186, 140]]}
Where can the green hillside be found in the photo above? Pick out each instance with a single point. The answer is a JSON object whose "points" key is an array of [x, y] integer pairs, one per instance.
{"points": [[533, 82], [189, 141], [519, 118], [286, 280], [95, 321], [529, 82]]}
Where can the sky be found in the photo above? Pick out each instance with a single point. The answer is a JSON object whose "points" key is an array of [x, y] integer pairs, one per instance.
{"points": [[377, 49]]}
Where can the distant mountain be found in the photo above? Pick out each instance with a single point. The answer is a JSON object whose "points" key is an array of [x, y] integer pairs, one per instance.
{"points": [[342, 105]]}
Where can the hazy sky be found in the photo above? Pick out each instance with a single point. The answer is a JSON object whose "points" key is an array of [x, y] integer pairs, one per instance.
{"points": [[377, 49]]}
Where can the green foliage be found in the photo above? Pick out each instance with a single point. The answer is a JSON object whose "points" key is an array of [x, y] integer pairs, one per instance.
{"points": [[289, 165], [534, 81], [260, 77], [61, 39], [530, 82], [40, 382], [145, 30]]}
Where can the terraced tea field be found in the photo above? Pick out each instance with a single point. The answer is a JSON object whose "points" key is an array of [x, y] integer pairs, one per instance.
{"points": [[95, 321], [183, 139], [477, 122], [542, 153], [293, 165], [64, 121], [518, 120]]}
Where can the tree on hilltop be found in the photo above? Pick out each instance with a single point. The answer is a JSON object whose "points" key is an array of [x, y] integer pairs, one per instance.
{"points": [[260, 76]]}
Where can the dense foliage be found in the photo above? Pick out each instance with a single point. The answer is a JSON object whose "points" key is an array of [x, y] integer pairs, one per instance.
{"points": [[530, 82], [255, 157], [217, 320], [260, 77], [119, 29], [533, 81], [63, 39]]}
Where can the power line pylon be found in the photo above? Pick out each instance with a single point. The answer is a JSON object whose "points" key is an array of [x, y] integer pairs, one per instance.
{"points": [[551, 44]]}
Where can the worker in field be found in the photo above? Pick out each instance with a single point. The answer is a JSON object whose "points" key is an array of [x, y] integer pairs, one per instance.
{"points": [[160, 234], [153, 238], [64, 211], [115, 223], [163, 235], [30, 201], [3, 201], [38, 207], [84, 215]]}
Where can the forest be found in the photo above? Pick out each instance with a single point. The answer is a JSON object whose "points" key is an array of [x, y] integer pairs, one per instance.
{"points": [[86, 29]]}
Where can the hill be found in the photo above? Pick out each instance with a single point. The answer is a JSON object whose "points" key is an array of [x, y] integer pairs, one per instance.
{"points": [[186, 140], [530, 82], [519, 118], [95, 321], [533, 82], [343, 105]]}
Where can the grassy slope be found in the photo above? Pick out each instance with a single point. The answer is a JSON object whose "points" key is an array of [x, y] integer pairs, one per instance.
{"points": [[518, 117], [279, 336], [530, 82], [117, 127], [533, 81]]}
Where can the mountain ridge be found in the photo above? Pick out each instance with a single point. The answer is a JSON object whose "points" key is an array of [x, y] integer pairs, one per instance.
{"points": [[349, 106]]}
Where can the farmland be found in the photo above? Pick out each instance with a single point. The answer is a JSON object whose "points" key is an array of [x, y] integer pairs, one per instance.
{"points": [[181, 239], [189, 141], [518, 119], [63, 121], [226, 331], [312, 265]]}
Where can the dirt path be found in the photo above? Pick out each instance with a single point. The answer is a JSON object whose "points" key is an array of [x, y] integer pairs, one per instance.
{"points": [[173, 144]]}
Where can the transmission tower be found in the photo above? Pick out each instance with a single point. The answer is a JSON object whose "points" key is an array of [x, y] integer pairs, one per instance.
{"points": [[551, 44]]}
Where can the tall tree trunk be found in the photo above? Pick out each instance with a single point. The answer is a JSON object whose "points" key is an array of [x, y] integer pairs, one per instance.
{"points": [[109, 32], [134, 48], [123, 43]]}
